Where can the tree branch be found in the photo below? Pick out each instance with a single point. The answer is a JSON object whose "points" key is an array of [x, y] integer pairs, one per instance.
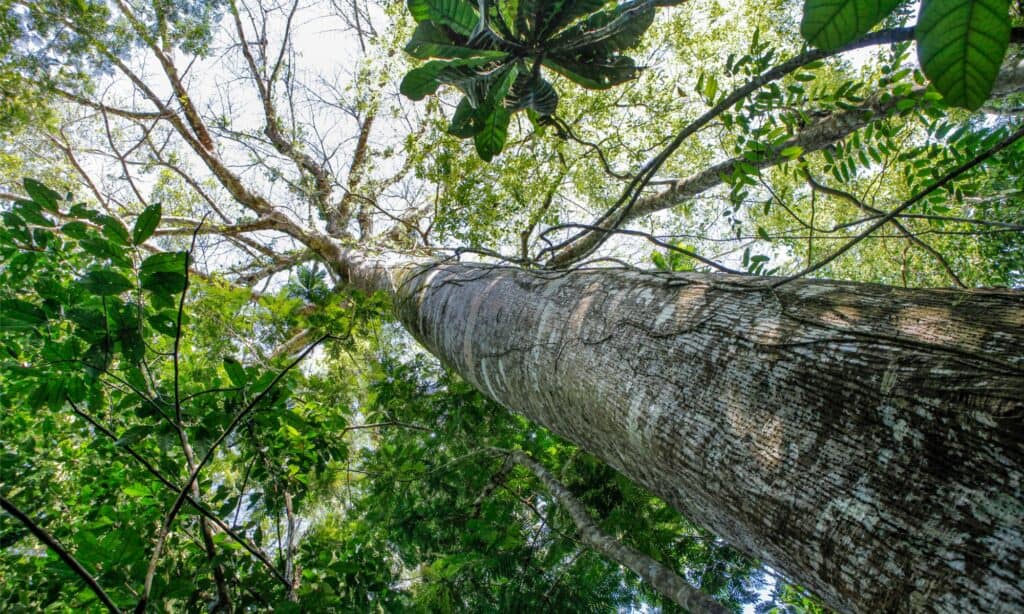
{"points": [[630, 206], [64, 555], [659, 576], [1012, 138]]}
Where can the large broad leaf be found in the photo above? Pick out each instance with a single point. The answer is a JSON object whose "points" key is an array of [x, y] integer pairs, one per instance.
{"points": [[163, 273], [462, 124], [527, 14], [595, 75], [19, 314], [830, 24], [114, 230], [44, 196], [235, 371], [104, 282], [532, 92], [492, 132], [478, 83], [960, 44], [423, 81], [492, 117], [564, 12], [459, 15], [32, 212], [606, 32], [429, 41], [90, 323], [146, 224]]}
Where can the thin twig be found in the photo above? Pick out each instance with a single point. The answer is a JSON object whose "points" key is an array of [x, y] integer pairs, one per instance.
{"points": [[199, 507], [64, 555], [951, 175], [182, 494]]}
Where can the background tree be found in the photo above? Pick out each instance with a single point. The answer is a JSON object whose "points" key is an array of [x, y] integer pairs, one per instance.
{"points": [[271, 165]]}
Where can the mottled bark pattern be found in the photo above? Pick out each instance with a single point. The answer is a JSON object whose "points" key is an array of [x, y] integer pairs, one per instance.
{"points": [[865, 440]]}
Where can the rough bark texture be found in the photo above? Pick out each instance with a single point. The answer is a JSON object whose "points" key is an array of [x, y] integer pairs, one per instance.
{"points": [[865, 440]]}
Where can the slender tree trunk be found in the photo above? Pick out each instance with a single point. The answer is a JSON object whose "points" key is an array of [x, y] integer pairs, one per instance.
{"points": [[868, 441]]}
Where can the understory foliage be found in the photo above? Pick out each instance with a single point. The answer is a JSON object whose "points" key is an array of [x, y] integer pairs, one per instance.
{"points": [[364, 478], [196, 406]]}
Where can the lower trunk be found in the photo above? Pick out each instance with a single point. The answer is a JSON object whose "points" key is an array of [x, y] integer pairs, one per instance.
{"points": [[865, 440]]}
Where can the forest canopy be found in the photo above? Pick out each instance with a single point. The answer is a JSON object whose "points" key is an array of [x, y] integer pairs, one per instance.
{"points": [[221, 384]]}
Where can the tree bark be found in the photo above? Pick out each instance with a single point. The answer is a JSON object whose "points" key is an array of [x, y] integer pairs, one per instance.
{"points": [[865, 440]]}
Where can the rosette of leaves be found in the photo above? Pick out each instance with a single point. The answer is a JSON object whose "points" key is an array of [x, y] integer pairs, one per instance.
{"points": [[494, 52]]}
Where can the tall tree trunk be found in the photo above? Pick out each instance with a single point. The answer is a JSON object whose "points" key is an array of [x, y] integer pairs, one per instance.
{"points": [[865, 440]]}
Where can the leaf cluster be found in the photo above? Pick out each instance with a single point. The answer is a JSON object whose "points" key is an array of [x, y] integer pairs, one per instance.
{"points": [[494, 55]]}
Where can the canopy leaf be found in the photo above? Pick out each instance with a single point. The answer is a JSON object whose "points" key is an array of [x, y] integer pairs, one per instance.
{"points": [[830, 24], [960, 43], [499, 69]]}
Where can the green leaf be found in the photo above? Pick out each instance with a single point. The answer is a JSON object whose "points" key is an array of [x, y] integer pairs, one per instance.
{"points": [[103, 249], [235, 371], [31, 212], [659, 261], [163, 273], [81, 211], [561, 13], [428, 41], [164, 323], [459, 15], [136, 490], [18, 314], [532, 92], [90, 324], [462, 124], [132, 435], [791, 152], [423, 81], [146, 223], [114, 230], [104, 282], [78, 230], [50, 393], [41, 195], [132, 346], [960, 44], [492, 118], [606, 32], [599, 75], [164, 283], [493, 130], [262, 382], [164, 262], [830, 24]]}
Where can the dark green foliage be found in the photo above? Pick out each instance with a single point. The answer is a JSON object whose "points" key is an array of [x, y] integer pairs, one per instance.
{"points": [[960, 43], [830, 24], [146, 223], [495, 59], [486, 536], [94, 383]]}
